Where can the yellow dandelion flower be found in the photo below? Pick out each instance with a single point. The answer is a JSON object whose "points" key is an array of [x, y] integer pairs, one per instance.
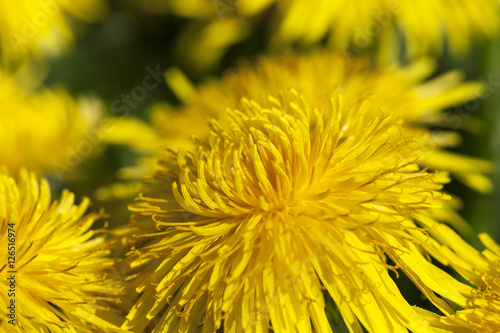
{"points": [[400, 92], [32, 28], [481, 269], [45, 130], [281, 204], [423, 26], [54, 266]]}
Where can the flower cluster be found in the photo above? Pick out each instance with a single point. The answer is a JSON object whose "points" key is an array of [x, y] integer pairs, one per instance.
{"points": [[303, 188]]}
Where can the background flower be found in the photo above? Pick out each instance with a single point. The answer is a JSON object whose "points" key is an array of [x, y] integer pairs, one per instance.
{"points": [[44, 130], [422, 27], [62, 279], [33, 29]]}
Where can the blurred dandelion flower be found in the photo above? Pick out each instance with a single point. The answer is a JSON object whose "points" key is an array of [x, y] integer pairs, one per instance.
{"points": [[43, 129], [423, 26], [61, 264], [281, 203], [31, 28]]}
